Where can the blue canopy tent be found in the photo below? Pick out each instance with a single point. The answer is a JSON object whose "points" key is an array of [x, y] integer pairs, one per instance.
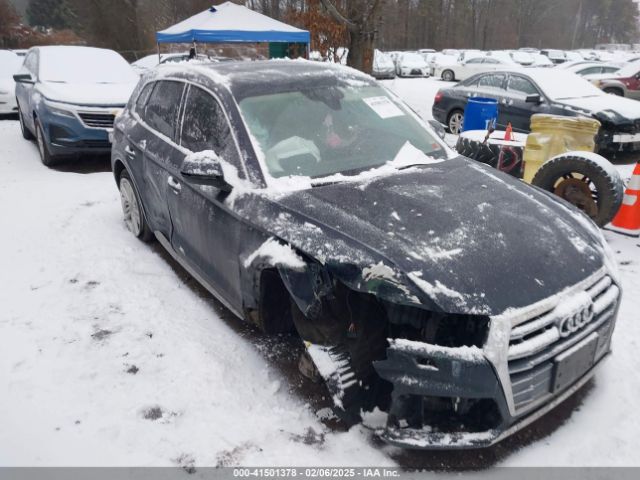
{"points": [[231, 23]]}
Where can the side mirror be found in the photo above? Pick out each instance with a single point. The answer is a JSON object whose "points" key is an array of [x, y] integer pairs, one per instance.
{"points": [[23, 78], [534, 99], [205, 168]]}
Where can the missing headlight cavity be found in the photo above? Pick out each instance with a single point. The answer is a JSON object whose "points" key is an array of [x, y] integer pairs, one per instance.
{"points": [[347, 335], [442, 329]]}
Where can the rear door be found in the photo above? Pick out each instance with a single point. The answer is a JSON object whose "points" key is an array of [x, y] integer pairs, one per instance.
{"points": [[470, 68], [205, 232], [135, 140], [162, 154]]}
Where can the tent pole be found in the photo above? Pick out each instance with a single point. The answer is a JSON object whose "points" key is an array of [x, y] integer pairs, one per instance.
{"points": [[159, 57]]}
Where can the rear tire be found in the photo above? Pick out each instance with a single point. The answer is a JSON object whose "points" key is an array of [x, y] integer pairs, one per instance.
{"points": [[584, 182], [455, 121], [448, 76], [26, 133], [134, 217]]}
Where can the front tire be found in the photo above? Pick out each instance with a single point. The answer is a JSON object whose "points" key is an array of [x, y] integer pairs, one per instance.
{"points": [[132, 208], [584, 181], [46, 158]]}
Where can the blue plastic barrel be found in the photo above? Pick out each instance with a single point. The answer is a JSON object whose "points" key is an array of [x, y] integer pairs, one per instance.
{"points": [[479, 113]]}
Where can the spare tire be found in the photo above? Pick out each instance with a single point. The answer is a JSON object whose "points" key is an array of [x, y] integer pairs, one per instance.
{"points": [[586, 180], [504, 156]]}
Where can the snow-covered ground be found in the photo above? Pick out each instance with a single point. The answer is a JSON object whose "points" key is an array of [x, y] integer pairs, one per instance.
{"points": [[110, 356]]}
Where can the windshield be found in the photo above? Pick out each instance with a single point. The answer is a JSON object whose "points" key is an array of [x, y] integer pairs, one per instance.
{"points": [[84, 65], [560, 85], [335, 129]]}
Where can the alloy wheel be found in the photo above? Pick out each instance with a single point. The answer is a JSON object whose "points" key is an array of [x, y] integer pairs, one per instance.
{"points": [[130, 207], [455, 122]]}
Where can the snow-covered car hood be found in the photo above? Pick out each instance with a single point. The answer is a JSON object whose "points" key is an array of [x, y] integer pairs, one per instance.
{"points": [[458, 236], [608, 108], [106, 94]]}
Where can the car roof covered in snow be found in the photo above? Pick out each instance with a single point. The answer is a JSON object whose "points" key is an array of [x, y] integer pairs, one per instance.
{"points": [[249, 78]]}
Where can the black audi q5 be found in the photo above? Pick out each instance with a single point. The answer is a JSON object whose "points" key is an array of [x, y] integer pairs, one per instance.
{"points": [[307, 198]]}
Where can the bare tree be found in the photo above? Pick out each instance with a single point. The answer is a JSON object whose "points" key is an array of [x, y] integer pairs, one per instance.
{"points": [[362, 19]]}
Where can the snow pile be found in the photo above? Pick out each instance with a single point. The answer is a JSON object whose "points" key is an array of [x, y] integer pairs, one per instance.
{"points": [[277, 254]]}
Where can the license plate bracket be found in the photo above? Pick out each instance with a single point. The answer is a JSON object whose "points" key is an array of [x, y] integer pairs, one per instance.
{"points": [[575, 362]]}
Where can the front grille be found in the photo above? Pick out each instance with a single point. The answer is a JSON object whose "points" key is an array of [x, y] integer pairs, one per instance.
{"points": [[536, 342], [97, 120]]}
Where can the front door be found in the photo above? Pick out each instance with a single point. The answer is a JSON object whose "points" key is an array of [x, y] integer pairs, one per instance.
{"points": [[518, 89], [205, 231]]}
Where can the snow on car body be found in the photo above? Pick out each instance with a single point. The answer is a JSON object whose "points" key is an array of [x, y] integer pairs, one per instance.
{"points": [[68, 98], [307, 196]]}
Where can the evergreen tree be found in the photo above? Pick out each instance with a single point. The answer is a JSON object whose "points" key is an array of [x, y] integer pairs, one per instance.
{"points": [[49, 13]]}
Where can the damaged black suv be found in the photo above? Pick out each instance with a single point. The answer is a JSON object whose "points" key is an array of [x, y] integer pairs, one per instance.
{"points": [[458, 300]]}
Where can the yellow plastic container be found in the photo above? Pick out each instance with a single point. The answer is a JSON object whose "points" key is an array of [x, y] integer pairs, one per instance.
{"points": [[552, 135]]}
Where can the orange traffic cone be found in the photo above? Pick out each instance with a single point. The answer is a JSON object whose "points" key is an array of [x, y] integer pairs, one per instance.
{"points": [[627, 220], [508, 133]]}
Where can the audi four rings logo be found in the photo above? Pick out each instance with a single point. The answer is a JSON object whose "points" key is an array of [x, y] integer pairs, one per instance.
{"points": [[575, 322]]}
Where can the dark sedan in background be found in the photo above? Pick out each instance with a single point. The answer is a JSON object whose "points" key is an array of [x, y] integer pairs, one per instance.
{"points": [[521, 94]]}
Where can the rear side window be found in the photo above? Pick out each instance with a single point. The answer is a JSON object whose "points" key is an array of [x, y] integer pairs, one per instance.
{"points": [[204, 126], [522, 86], [590, 71], [162, 107], [494, 81]]}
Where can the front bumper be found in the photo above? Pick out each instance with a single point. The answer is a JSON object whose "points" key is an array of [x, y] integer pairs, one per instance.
{"points": [[522, 372], [413, 72], [70, 134]]}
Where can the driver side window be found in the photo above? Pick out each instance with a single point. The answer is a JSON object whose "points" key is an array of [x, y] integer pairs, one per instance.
{"points": [[205, 126], [522, 86]]}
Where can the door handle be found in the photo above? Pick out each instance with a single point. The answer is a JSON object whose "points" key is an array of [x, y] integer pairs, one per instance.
{"points": [[174, 184]]}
